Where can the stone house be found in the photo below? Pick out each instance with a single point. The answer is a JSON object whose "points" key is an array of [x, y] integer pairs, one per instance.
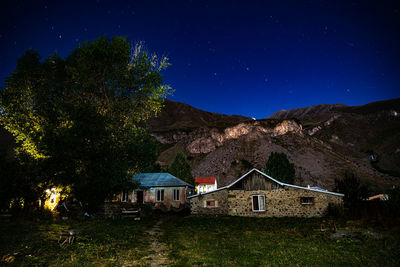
{"points": [[159, 190], [205, 184], [256, 194]]}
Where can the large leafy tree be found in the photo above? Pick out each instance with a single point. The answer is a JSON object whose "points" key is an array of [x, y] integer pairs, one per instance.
{"points": [[181, 168], [78, 117], [279, 167]]}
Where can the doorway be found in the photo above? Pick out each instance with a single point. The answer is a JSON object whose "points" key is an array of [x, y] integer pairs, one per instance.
{"points": [[139, 197]]}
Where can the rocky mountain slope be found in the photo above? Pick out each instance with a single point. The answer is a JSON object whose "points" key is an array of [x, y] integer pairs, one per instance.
{"points": [[323, 141]]}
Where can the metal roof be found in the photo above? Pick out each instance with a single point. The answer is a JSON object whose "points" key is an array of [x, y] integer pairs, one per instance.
{"points": [[205, 180], [276, 181], [163, 179]]}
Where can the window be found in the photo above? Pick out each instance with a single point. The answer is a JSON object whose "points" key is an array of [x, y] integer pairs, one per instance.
{"points": [[124, 196], [307, 200], [160, 195], [210, 203], [258, 202], [176, 194]]}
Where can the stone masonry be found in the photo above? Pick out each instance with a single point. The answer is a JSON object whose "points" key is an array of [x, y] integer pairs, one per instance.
{"points": [[285, 202], [198, 204]]}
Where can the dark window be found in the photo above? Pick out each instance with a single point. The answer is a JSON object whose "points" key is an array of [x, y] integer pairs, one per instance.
{"points": [[176, 194], [307, 200], [258, 202], [160, 195]]}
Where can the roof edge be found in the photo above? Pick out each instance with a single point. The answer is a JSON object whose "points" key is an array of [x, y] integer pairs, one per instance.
{"points": [[284, 184], [218, 189]]}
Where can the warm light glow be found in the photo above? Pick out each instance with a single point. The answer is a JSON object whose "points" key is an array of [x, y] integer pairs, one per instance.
{"points": [[52, 198]]}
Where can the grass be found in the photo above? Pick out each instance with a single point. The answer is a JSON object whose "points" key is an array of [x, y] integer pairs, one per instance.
{"points": [[235, 241], [198, 241], [100, 242]]}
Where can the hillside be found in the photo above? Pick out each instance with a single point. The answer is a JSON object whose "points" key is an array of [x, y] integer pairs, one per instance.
{"points": [[359, 132], [323, 141]]}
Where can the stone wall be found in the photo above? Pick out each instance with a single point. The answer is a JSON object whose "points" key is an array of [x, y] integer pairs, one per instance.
{"points": [[220, 198], [284, 202], [281, 203]]}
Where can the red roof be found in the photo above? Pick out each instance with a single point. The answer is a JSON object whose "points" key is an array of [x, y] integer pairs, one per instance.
{"points": [[205, 180]]}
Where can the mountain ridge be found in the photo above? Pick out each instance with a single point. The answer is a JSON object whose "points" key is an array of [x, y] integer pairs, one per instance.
{"points": [[323, 141]]}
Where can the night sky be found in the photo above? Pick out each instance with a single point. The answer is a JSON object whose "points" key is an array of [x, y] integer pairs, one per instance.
{"points": [[234, 57]]}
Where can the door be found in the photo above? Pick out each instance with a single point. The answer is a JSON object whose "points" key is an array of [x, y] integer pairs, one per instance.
{"points": [[139, 197]]}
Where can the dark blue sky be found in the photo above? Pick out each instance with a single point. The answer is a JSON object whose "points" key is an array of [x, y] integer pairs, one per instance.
{"points": [[234, 57]]}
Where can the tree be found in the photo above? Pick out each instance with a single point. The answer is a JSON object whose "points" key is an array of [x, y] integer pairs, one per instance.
{"points": [[279, 167], [354, 191], [181, 168], [79, 117]]}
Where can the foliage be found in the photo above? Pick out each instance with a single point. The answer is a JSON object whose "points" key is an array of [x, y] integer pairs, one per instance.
{"points": [[8, 181], [78, 117], [354, 191], [279, 167], [393, 203], [181, 168], [22, 183]]}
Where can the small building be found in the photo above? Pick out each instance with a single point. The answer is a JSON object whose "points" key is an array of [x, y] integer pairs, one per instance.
{"points": [[205, 184], [160, 190], [256, 194]]}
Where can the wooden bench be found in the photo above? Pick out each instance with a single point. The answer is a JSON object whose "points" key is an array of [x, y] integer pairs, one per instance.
{"points": [[131, 213]]}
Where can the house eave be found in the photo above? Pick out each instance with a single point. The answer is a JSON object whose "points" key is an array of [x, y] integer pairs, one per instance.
{"points": [[209, 192], [284, 184]]}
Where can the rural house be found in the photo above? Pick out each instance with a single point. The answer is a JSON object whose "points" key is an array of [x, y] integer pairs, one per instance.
{"points": [[258, 195], [160, 190], [205, 184]]}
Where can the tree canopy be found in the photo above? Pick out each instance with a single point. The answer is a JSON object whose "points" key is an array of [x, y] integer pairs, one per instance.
{"points": [[354, 191], [78, 117], [279, 167], [181, 168]]}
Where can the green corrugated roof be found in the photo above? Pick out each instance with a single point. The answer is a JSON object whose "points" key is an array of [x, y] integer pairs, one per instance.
{"points": [[148, 180]]}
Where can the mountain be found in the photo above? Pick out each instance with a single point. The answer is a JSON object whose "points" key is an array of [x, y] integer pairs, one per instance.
{"points": [[368, 131], [323, 141]]}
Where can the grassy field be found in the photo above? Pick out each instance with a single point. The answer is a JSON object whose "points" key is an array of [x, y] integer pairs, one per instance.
{"points": [[197, 241], [228, 241], [100, 242]]}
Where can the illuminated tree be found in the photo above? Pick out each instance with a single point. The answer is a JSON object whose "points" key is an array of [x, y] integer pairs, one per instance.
{"points": [[79, 116]]}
